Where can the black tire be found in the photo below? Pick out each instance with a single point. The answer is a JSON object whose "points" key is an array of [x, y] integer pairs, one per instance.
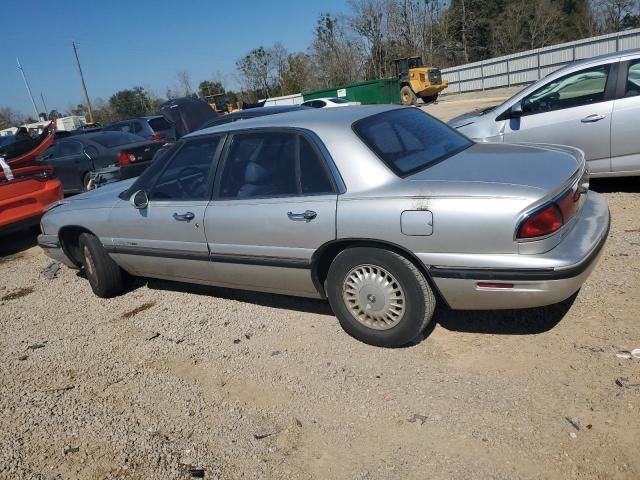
{"points": [[419, 300], [431, 99], [105, 276], [407, 96]]}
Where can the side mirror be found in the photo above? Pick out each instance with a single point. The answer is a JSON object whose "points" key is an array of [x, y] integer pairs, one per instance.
{"points": [[139, 199], [516, 110]]}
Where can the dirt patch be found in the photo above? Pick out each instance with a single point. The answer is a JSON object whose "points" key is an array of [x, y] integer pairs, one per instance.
{"points": [[137, 310], [18, 293]]}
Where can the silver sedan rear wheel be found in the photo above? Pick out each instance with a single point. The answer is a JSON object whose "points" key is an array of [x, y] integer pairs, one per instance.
{"points": [[379, 296], [374, 297]]}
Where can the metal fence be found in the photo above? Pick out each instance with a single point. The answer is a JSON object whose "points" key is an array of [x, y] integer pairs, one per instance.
{"points": [[527, 67]]}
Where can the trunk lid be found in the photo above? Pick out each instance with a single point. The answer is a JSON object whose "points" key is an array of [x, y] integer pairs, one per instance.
{"points": [[525, 170]]}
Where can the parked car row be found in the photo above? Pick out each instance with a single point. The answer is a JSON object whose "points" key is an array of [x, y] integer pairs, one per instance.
{"points": [[75, 158]]}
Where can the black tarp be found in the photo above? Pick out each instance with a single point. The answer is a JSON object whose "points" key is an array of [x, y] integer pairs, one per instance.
{"points": [[186, 114]]}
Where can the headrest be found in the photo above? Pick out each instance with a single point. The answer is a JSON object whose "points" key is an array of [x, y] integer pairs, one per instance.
{"points": [[255, 173]]}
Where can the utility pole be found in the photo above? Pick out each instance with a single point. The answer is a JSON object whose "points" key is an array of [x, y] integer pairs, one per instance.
{"points": [[26, 84], [44, 104], [84, 86]]}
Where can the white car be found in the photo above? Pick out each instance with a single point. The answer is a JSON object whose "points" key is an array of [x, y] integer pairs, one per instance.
{"points": [[328, 102]]}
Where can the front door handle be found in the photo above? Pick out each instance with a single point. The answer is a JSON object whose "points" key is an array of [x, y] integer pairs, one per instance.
{"points": [[592, 118], [184, 217], [306, 216]]}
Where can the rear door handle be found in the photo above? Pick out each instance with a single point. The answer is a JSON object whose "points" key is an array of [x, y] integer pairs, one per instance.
{"points": [[306, 216], [184, 217], [592, 118]]}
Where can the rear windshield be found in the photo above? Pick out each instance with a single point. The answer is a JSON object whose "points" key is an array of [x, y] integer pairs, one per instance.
{"points": [[339, 100], [115, 139], [408, 140], [159, 124]]}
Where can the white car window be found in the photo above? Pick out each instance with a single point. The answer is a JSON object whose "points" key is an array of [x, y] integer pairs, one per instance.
{"points": [[573, 90], [633, 80]]}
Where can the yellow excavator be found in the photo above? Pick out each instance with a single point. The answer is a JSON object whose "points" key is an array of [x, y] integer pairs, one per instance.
{"points": [[418, 81], [220, 103]]}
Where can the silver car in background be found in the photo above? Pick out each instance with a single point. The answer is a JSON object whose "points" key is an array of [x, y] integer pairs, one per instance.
{"points": [[380, 209], [591, 104]]}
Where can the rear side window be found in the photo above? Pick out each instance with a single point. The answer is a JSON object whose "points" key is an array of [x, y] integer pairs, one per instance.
{"points": [[136, 127], [408, 140], [159, 124], [271, 164], [119, 127], [69, 148], [115, 139]]}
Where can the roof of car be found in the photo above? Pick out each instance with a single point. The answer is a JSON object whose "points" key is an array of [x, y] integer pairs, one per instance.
{"points": [[605, 56], [311, 118], [93, 135]]}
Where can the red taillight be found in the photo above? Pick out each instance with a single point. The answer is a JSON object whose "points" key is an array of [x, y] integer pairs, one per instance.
{"points": [[542, 223], [158, 136], [569, 203], [125, 158]]}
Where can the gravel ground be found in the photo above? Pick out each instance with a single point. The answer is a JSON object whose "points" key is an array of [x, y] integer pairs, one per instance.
{"points": [[171, 381]]}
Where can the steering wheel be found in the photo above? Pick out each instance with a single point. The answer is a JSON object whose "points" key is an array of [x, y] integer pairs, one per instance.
{"points": [[551, 101], [184, 183]]}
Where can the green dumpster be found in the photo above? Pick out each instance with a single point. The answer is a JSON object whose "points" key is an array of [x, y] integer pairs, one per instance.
{"points": [[385, 90]]}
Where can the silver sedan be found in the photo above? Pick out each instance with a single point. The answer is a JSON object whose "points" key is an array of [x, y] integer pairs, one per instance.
{"points": [[592, 104], [383, 210]]}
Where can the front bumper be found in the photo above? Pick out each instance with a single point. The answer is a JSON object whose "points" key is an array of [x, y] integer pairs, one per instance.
{"points": [[53, 249], [536, 280]]}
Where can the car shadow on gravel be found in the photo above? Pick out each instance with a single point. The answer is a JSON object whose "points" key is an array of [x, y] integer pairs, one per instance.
{"points": [[529, 321], [611, 185], [17, 242], [299, 304]]}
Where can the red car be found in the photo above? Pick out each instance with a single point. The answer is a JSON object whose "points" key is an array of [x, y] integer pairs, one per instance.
{"points": [[26, 189]]}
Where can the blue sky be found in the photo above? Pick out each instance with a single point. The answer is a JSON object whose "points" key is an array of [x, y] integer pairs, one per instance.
{"points": [[127, 43]]}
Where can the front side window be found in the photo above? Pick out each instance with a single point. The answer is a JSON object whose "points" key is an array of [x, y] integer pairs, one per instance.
{"points": [[574, 90], [272, 164], [186, 177], [408, 140], [633, 79]]}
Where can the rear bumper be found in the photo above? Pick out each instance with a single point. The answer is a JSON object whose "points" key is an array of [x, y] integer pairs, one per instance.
{"points": [[547, 278], [52, 248]]}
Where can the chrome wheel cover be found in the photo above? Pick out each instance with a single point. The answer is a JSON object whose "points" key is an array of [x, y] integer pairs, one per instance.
{"points": [[374, 297]]}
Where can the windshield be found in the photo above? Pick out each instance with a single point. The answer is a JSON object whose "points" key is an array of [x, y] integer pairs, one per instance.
{"points": [[409, 140], [338, 100]]}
